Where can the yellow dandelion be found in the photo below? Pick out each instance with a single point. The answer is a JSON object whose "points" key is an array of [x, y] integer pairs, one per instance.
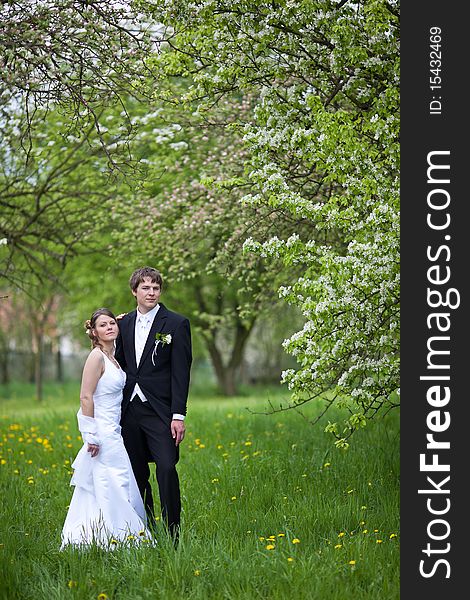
{"points": [[131, 537], [72, 584], [197, 572], [338, 546], [365, 531], [102, 596], [352, 562], [378, 541], [3, 462], [270, 547], [393, 535], [290, 559], [281, 535], [341, 534], [113, 541], [296, 541], [248, 443], [215, 480], [326, 465]]}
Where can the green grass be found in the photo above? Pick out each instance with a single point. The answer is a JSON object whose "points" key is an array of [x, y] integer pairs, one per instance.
{"points": [[244, 478]]}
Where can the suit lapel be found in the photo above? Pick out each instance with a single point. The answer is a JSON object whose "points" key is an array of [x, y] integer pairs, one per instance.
{"points": [[131, 337], [157, 327]]}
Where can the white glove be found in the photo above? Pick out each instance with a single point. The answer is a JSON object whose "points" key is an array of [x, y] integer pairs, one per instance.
{"points": [[88, 428]]}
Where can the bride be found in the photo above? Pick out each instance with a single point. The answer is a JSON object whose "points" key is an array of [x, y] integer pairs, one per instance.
{"points": [[106, 507]]}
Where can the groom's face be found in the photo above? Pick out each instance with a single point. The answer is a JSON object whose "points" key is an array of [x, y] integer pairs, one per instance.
{"points": [[147, 295]]}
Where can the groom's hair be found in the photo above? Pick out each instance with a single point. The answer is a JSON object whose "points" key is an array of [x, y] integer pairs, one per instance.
{"points": [[140, 275]]}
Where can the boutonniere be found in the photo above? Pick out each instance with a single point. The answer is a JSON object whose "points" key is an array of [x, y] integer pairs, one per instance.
{"points": [[163, 339]]}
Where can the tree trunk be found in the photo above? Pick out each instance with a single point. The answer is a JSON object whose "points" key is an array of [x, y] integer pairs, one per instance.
{"points": [[59, 364], [226, 374], [38, 368], [39, 327], [4, 370]]}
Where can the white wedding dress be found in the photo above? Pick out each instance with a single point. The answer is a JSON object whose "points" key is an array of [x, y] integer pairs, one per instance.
{"points": [[106, 507]]}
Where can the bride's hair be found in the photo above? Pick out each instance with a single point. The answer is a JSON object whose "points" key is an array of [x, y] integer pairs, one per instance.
{"points": [[90, 325]]}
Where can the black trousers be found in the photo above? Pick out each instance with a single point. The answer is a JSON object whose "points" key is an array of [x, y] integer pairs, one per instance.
{"points": [[147, 438]]}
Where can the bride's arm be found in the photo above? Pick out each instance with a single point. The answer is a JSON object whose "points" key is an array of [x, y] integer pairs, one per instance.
{"points": [[92, 371]]}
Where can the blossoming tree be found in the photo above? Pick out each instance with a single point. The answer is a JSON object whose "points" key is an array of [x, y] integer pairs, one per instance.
{"points": [[188, 219], [323, 148]]}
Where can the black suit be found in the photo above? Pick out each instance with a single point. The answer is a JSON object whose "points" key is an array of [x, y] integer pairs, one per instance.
{"points": [[163, 376]]}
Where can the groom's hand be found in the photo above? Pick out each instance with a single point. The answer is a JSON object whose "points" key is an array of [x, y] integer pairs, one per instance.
{"points": [[177, 430]]}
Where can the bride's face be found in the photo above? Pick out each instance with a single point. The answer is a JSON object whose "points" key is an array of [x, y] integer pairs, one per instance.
{"points": [[106, 328]]}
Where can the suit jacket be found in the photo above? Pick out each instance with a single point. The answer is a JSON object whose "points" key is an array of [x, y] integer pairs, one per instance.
{"points": [[165, 380]]}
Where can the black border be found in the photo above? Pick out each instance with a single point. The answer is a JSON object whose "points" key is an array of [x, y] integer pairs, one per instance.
{"points": [[421, 133]]}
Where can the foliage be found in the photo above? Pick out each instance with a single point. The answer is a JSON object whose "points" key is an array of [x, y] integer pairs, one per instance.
{"points": [[271, 121], [189, 221], [323, 148], [58, 202], [63, 67], [73, 55]]}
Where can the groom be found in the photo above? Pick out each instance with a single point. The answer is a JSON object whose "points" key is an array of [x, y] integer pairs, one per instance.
{"points": [[154, 349]]}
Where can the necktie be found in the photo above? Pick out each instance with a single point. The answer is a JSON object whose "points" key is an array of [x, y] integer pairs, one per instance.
{"points": [[143, 325]]}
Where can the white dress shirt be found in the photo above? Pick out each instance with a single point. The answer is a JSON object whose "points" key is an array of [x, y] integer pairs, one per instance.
{"points": [[143, 324]]}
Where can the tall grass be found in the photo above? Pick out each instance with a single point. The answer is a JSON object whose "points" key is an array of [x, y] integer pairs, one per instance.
{"points": [[270, 508]]}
